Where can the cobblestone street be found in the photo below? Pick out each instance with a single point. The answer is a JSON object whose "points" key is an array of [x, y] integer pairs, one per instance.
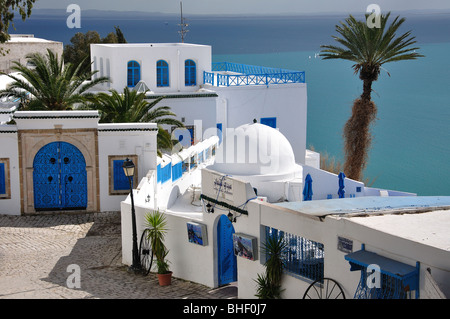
{"points": [[36, 251]]}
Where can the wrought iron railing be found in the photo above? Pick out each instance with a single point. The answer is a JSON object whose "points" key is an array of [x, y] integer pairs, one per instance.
{"points": [[235, 74], [303, 257]]}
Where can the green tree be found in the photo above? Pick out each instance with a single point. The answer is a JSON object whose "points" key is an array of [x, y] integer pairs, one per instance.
{"points": [[369, 48], [80, 47], [50, 84], [132, 107], [7, 8]]}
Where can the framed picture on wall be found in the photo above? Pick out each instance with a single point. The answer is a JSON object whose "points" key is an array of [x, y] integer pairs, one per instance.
{"points": [[197, 233], [245, 246]]}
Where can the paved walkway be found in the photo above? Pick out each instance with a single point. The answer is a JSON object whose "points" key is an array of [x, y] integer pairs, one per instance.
{"points": [[40, 256]]}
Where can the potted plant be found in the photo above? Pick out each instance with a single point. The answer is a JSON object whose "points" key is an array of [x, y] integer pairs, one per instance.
{"points": [[157, 225], [269, 284]]}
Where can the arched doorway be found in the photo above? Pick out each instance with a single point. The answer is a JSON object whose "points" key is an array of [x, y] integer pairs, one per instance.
{"points": [[59, 178], [227, 264]]}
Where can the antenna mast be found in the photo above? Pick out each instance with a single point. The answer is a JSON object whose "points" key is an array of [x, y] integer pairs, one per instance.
{"points": [[182, 24]]}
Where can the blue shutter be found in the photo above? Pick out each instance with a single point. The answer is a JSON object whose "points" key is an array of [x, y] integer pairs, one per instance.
{"points": [[2, 179], [120, 179]]}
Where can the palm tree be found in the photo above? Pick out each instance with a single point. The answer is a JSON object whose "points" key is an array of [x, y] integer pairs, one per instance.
{"points": [[132, 107], [50, 84], [369, 49]]}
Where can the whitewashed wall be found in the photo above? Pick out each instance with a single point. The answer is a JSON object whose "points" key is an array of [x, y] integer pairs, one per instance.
{"points": [[9, 149], [122, 139], [199, 263], [239, 105], [112, 59]]}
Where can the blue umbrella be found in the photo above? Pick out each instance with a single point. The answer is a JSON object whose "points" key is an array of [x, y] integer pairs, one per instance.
{"points": [[307, 190], [341, 191]]}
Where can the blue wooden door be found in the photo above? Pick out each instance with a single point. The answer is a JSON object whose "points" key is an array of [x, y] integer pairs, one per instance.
{"points": [[227, 265], [59, 178]]}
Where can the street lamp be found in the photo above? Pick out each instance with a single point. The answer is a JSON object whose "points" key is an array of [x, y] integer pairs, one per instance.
{"points": [[128, 168]]}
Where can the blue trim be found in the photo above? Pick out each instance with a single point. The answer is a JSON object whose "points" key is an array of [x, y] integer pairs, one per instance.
{"points": [[166, 173], [219, 132], [177, 171], [120, 179], [2, 179], [158, 173], [250, 75], [190, 73], [133, 73], [162, 73]]}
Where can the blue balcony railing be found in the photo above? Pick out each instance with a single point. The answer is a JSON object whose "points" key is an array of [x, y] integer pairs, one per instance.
{"points": [[235, 74]]}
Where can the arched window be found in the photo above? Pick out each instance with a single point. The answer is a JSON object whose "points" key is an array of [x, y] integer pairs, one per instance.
{"points": [[190, 73], [134, 73], [162, 73]]}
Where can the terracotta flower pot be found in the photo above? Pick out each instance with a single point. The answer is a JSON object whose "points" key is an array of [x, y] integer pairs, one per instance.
{"points": [[165, 279]]}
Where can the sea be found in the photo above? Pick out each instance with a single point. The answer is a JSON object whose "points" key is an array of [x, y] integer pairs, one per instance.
{"points": [[410, 149]]}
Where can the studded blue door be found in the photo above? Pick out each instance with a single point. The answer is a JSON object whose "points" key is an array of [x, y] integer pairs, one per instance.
{"points": [[59, 178], [227, 265]]}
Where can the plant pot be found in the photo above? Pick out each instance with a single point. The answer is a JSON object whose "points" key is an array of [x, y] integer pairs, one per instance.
{"points": [[165, 279]]}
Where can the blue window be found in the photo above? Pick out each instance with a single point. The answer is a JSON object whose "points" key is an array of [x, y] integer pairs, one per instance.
{"points": [[177, 171], [162, 73], [2, 179], [190, 73], [120, 179], [134, 73], [269, 121]]}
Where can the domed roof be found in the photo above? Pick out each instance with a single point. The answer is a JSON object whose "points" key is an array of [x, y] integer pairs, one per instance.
{"points": [[254, 149]]}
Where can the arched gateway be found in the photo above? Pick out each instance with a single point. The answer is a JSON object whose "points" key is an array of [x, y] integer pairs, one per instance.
{"points": [[59, 178]]}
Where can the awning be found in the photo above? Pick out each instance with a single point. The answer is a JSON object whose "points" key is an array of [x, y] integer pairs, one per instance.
{"points": [[361, 259]]}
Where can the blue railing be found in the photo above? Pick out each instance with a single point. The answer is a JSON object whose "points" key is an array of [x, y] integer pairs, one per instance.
{"points": [[250, 75]]}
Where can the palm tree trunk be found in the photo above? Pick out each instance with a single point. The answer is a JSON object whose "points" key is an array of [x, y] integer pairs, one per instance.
{"points": [[357, 133]]}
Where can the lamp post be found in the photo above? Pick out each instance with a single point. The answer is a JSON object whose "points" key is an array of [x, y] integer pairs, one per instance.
{"points": [[128, 168]]}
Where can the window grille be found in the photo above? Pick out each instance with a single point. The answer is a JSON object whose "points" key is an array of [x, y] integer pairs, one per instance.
{"points": [[134, 73], [304, 257], [162, 73]]}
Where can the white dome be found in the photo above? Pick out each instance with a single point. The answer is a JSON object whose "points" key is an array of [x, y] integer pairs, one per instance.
{"points": [[254, 149]]}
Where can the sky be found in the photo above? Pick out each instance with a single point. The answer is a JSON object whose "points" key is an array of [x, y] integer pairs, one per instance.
{"points": [[247, 6]]}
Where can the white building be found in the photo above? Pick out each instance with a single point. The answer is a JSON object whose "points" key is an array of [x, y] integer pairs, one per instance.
{"points": [[335, 240], [67, 161], [244, 184], [19, 46], [205, 95]]}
